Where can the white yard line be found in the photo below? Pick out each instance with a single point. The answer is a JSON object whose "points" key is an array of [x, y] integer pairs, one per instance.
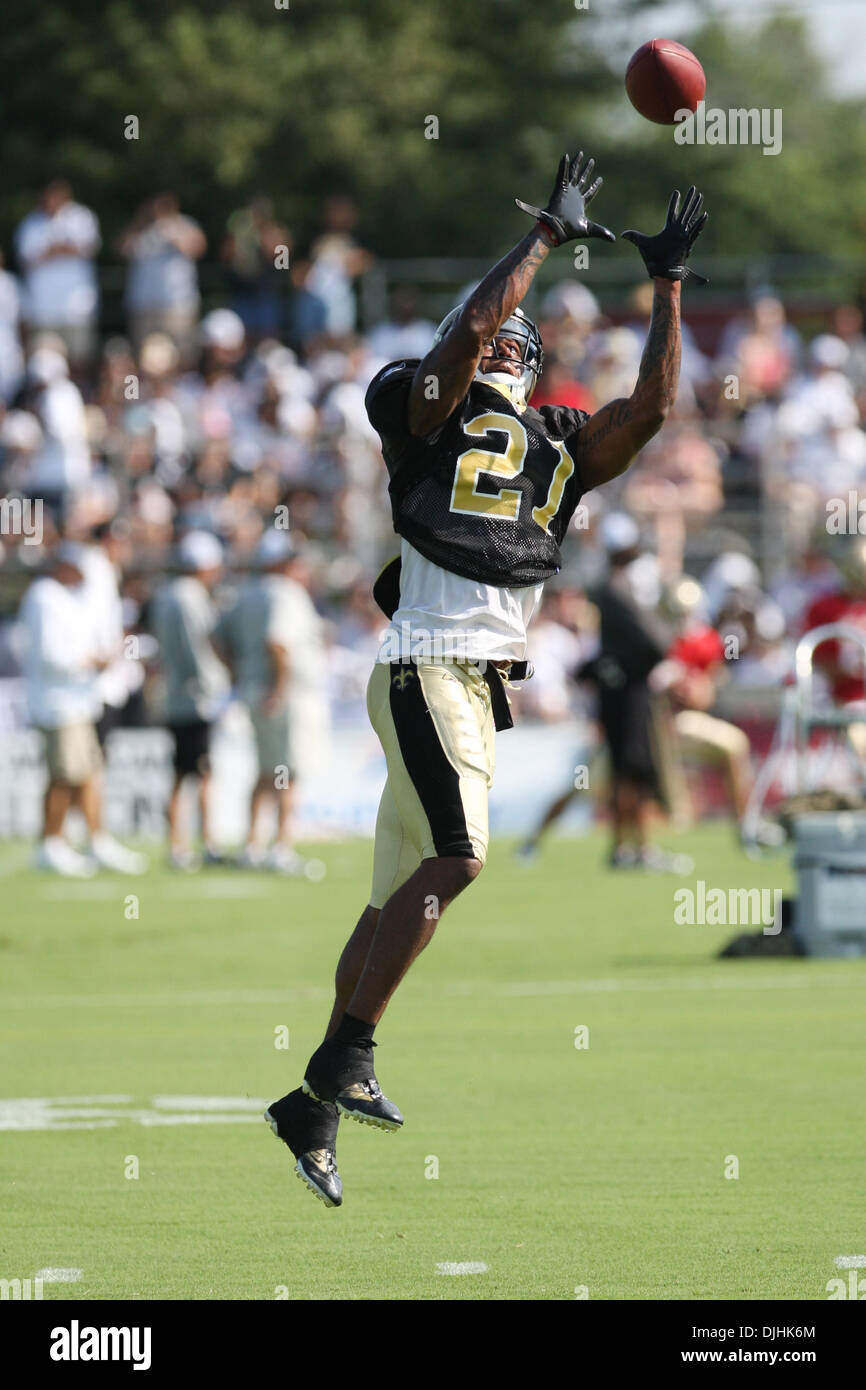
{"points": [[671, 984], [118, 885], [189, 999], [29, 1114], [84, 890], [221, 888], [800, 977]]}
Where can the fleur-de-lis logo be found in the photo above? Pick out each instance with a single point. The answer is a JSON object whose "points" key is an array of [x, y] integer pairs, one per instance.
{"points": [[402, 678]]}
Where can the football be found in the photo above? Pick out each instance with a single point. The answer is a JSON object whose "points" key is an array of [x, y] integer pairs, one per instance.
{"points": [[664, 77]]}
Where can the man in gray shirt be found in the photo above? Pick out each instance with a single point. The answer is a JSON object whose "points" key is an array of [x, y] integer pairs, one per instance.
{"points": [[270, 634], [196, 681]]}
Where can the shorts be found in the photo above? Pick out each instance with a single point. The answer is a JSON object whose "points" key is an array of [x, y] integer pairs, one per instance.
{"points": [[435, 724], [180, 324], [79, 338], [72, 753], [711, 738], [273, 742], [626, 716], [191, 748]]}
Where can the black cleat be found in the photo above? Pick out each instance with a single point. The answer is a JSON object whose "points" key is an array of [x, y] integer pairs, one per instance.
{"points": [[343, 1073], [309, 1128]]}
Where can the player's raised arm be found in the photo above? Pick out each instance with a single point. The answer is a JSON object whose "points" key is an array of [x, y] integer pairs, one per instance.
{"points": [[612, 437], [451, 363]]}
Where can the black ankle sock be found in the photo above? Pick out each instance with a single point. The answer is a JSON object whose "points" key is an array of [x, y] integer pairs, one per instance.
{"points": [[352, 1030]]}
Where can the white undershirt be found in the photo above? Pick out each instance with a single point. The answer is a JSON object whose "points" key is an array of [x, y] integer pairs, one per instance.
{"points": [[444, 617]]}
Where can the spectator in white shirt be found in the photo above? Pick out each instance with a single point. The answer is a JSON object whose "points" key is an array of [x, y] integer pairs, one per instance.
{"points": [[11, 354], [61, 670], [56, 245], [337, 261], [123, 673], [62, 464], [162, 296], [405, 333]]}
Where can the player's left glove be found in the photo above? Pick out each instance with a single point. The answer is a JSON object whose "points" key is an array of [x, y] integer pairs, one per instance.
{"points": [[666, 253], [565, 214]]}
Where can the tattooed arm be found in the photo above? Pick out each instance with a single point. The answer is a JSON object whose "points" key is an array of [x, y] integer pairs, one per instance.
{"points": [[610, 440], [450, 366], [612, 437]]}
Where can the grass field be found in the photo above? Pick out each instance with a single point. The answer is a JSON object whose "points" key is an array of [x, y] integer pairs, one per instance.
{"points": [[559, 1168]]}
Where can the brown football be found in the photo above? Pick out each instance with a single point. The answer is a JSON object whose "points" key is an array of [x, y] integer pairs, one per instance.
{"points": [[664, 77]]}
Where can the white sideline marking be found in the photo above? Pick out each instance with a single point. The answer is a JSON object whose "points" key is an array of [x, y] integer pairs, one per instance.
{"points": [[219, 888], [150, 1118], [671, 984], [86, 890], [467, 1267], [218, 998], [81, 890], [850, 1262], [58, 1276], [675, 984], [206, 1103], [106, 1112]]}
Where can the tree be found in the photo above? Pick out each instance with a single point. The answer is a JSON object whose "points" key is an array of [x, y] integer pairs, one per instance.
{"points": [[238, 98]]}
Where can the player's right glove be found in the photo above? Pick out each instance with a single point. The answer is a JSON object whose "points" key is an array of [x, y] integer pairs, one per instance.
{"points": [[666, 253], [565, 214]]}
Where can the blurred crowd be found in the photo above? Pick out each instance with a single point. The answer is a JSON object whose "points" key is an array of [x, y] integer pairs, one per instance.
{"points": [[249, 418]]}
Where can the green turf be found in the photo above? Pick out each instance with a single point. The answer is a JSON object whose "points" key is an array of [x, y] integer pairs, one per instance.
{"points": [[559, 1168]]}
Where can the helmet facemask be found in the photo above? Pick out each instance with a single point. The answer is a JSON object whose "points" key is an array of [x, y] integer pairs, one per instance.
{"points": [[520, 329]]}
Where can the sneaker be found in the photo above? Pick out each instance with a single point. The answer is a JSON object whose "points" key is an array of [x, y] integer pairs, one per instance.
{"points": [[661, 861], [112, 855], [767, 834], [57, 857], [309, 1128], [344, 1075], [527, 853], [184, 860], [623, 857], [212, 857], [282, 859], [251, 857]]}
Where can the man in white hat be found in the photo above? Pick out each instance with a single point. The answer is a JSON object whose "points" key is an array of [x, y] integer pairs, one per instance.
{"points": [[196, 681], [272, 636], [61, 670]]}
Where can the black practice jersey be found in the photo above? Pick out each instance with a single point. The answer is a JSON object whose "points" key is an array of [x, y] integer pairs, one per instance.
{"points": [[489, 494]]}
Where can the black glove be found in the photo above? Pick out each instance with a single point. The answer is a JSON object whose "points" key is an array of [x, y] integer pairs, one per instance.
{"points": [[666, 253], [565, 213]]}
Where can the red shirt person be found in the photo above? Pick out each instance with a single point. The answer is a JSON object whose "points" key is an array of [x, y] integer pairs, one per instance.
{"points": [[840, 663]]}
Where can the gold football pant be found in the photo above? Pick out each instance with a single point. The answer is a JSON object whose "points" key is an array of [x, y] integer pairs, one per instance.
{"points": [[435, 725]]}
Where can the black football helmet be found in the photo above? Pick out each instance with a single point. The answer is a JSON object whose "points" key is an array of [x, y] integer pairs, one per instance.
{"points": [[524, 331]]}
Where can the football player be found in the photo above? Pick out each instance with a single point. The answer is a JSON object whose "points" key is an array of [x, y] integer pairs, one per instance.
{"points": [[482, 489]]}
